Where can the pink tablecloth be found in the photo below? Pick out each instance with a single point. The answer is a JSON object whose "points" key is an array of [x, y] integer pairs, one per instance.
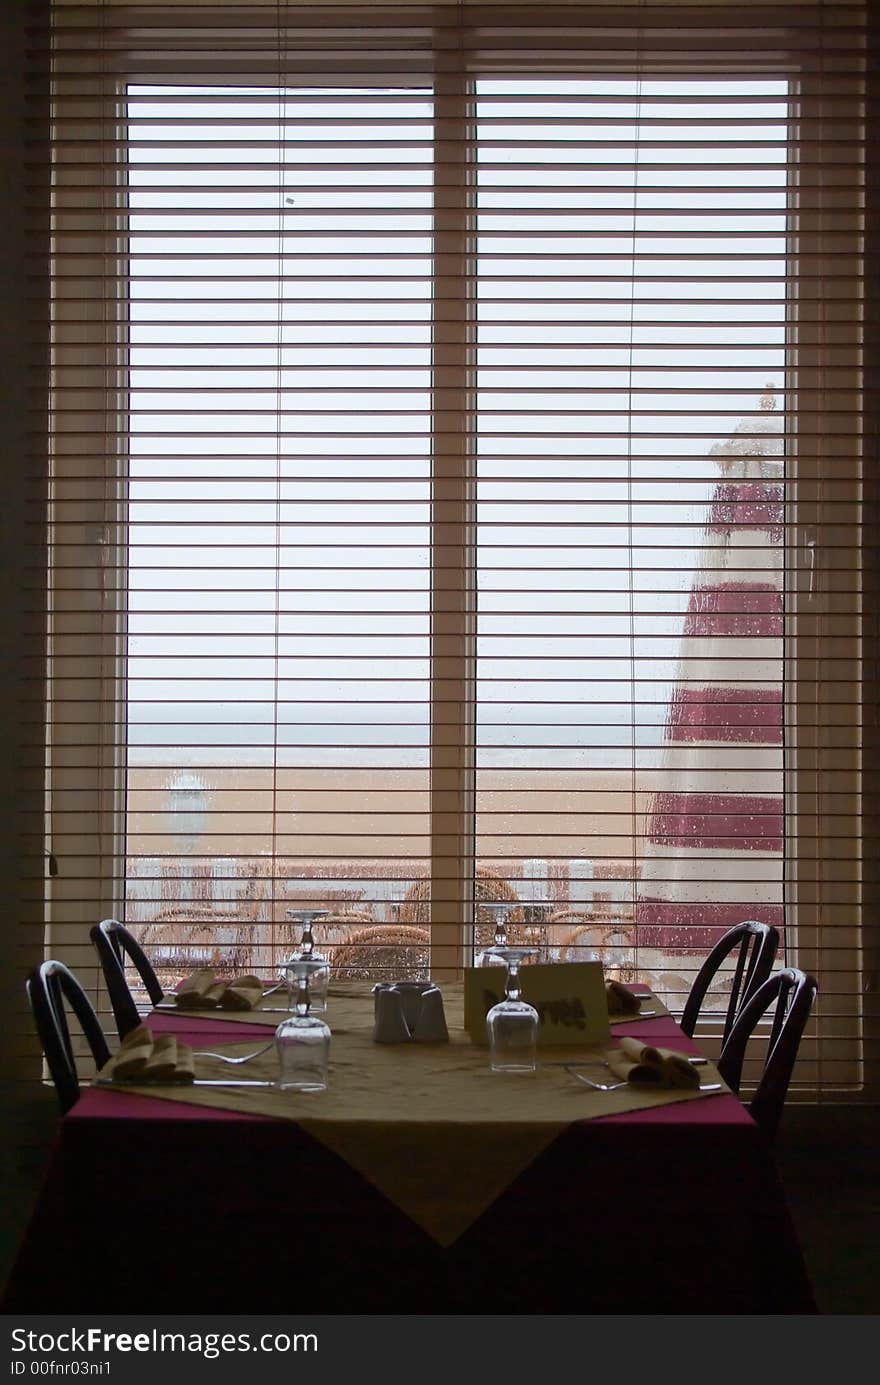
{"points": [[156, 1206]]}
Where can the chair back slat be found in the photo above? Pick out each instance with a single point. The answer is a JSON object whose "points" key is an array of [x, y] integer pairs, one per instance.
{"points": [[792, 992], [113, 943], [48, 987], [757, 943]]}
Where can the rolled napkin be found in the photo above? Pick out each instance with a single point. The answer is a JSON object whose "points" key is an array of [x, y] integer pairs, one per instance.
{"points": [[132, 1057], [143, 1058], [185, 1067], [636, 1062], [196, 992], [170, 1062], [202, 991], [139, 1035], [621, 1000], [242, 994], [162, 1061]]}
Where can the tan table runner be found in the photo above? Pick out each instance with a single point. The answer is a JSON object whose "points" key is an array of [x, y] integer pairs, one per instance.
{"points": [[428, 1125], [340, 998], [351, 1003]]}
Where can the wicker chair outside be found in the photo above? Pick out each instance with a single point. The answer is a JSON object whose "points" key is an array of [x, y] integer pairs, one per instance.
{"points": [[490, 888], [602, 940], [383, 952], [184, 937], [289, 932]]}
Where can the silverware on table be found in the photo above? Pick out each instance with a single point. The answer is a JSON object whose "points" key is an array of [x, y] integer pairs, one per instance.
{"points": [[613, 1086], [231, 1082], [696, 1060], [224, 1057], [199, 1082], [215, 1011]]}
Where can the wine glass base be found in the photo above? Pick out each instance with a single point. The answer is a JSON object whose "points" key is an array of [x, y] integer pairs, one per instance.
{"points": [[303, 1047], [512, 1031]]}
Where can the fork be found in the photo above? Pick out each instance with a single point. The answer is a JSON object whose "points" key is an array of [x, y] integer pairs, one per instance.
{"points": [[588, 1081], [224, 1058]]}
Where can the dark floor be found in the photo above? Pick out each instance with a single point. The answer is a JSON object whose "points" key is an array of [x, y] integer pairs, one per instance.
{"points": [[829, 1162]]}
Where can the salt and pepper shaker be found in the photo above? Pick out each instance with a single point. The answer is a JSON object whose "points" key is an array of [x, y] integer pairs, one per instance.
{"points": [[430, 1027], [411, 993], [389, 1025], [408, 1011]]}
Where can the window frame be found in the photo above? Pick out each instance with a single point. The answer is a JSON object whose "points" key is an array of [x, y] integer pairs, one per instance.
{"points": [[822, 795]]}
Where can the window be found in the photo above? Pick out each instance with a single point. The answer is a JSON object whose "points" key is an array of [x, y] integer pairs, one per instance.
{"points": [[455, 478]]}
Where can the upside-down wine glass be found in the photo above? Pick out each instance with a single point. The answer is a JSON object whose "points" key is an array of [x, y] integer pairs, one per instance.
{"points": [[302, 1041], [512, 1024], [499, 909], [320, 978]]}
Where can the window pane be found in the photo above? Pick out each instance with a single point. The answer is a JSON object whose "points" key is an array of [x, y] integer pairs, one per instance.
{"points": [[278, 561], [631, 355]]}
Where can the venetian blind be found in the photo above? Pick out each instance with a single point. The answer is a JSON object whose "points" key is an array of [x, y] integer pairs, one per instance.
{"points": [[456, 449]]}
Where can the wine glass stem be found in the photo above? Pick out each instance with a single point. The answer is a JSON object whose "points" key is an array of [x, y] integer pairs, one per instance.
{"points": [[302, 997], [513, 979], [500, 912]]}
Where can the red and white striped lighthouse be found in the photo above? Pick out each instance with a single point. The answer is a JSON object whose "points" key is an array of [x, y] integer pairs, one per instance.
{"points": [[713, 849]]}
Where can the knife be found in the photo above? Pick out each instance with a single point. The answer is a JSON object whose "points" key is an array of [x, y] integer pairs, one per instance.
{"points": [[215, 1012], [199, 1082], [228, 1082]]}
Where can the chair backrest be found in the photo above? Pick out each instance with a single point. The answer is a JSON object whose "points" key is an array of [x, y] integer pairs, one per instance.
{"points": [[114, 942], [757, 943], [793, 992], [48, 986], [383, 952]]}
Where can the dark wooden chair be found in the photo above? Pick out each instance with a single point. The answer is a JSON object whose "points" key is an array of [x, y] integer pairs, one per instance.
{"points": [[114, 942], [48, 987], [757, 943], [791, 992]]}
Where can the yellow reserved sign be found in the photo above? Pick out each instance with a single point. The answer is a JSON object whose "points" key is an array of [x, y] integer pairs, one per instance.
{"points": [[568, 996]]}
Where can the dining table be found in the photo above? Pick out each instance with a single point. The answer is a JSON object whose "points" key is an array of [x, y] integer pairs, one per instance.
{"points": [[419, 1183]]}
